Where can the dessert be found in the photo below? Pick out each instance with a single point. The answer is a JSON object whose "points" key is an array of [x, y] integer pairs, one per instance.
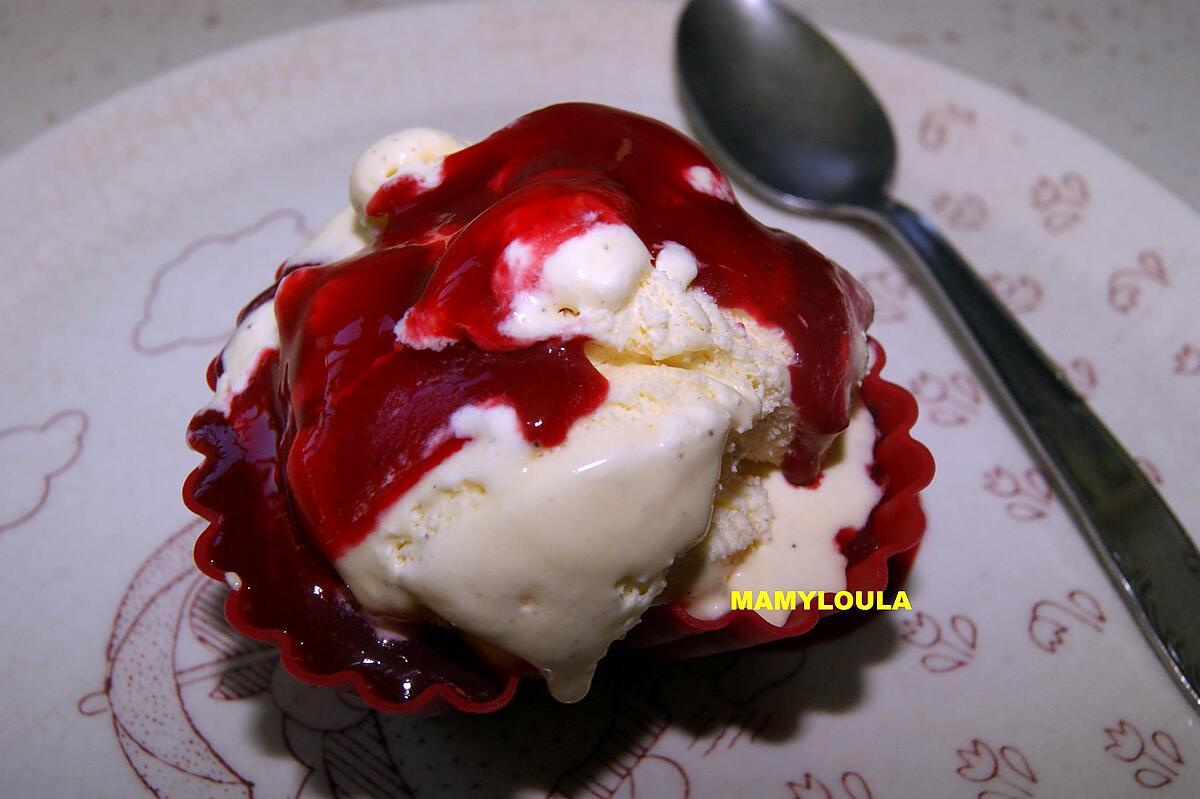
{"points": [[518, 394]]}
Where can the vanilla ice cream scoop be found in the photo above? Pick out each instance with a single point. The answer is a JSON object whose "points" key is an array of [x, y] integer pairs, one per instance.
{"points": [[414, 154], [528, 377]]}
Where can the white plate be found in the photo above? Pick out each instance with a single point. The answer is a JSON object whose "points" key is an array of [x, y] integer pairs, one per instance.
{"points": [[133, 234]]}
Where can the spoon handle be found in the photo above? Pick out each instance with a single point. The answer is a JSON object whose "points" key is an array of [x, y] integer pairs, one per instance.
{"points": [[1144, 548]]}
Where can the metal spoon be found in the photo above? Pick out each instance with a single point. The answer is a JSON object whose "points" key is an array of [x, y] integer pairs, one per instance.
{"points": [[791, 117]]}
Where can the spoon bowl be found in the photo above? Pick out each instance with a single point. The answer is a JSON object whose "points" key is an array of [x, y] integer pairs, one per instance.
{"points": [[821, 141]]}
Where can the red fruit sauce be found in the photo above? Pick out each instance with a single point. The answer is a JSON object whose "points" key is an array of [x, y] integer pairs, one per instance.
{"points": [[345, 417]]}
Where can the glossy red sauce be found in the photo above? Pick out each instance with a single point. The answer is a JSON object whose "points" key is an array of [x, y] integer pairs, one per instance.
{"points": [[369, 415], [346, 417], [287, 584]]}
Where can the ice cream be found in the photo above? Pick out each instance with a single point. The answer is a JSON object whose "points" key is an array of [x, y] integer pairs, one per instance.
{"points": [[535, 385]]}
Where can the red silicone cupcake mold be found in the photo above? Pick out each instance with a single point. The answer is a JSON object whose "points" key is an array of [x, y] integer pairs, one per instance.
{"points": [[289, 595]]}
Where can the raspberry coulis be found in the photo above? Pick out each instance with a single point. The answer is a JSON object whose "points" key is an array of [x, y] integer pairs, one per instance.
{"points": [[348, 415]]}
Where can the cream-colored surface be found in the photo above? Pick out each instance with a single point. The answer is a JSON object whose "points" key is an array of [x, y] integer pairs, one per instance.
{"points": [[552, 554], [591, 275], [415, 153], [801, 552]]}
